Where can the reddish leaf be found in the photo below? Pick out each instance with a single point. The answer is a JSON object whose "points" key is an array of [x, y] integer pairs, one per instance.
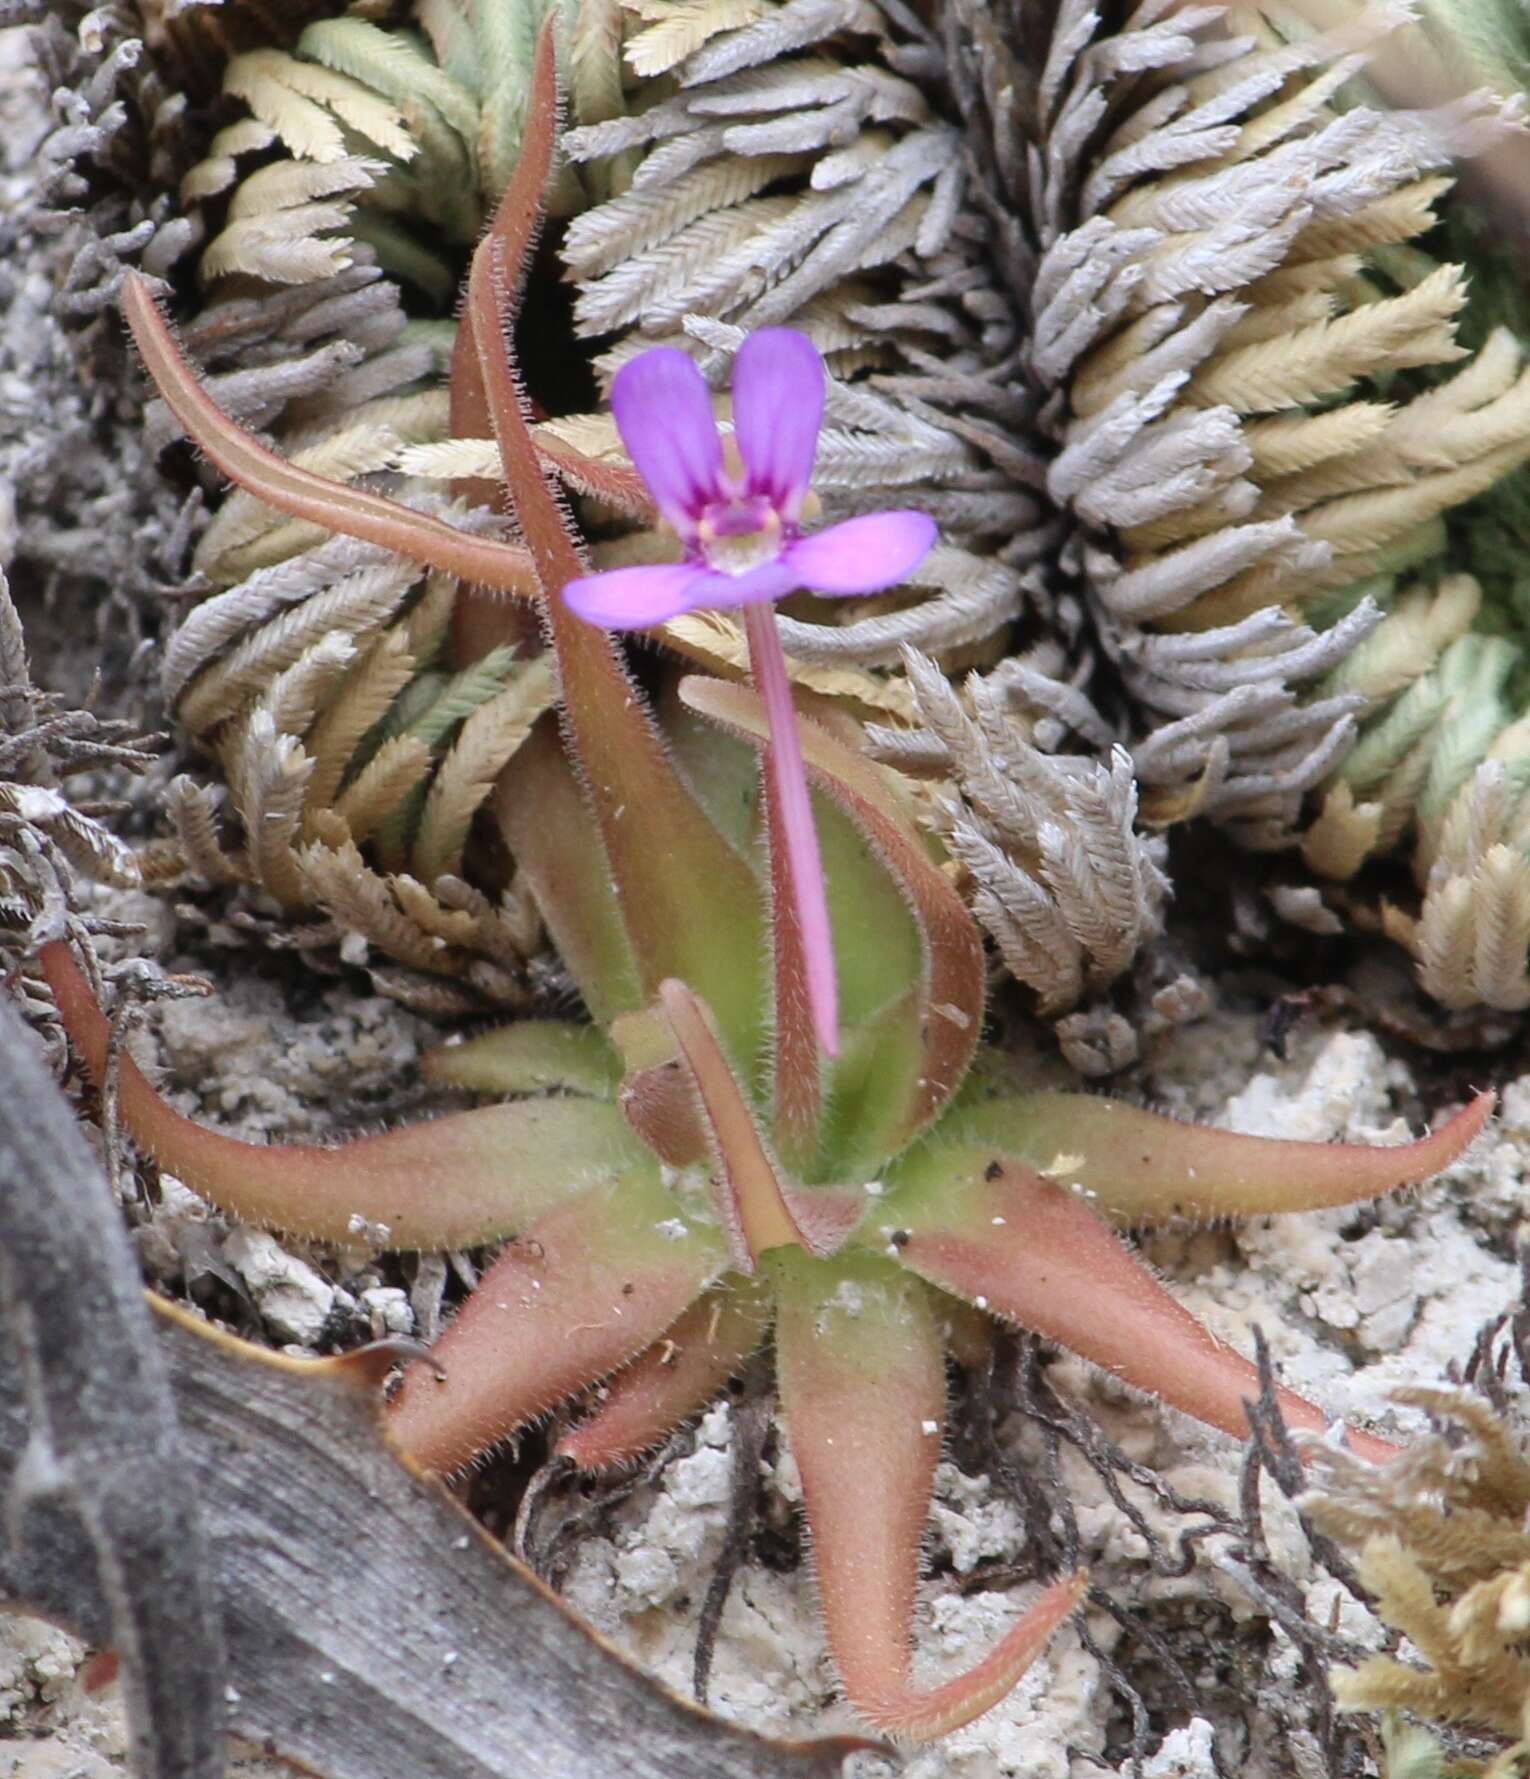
{"points": [[863, 1389], [690, 904], [581, 1292], [302, 493], [481, 618], [1139, 1167], [614, 483], [657, 1095], [1004, 1238], [758, 1208], [677, 1377], [467, 1178]]}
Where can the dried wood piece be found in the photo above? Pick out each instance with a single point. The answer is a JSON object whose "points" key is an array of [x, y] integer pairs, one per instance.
{"points": [[102, 1523]]}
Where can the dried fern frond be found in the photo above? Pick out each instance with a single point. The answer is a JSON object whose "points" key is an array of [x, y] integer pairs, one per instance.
{"points": [[396, 142], [1060, 877], [313, 682], [481, 963], [1194, 294], [1445, 1552], [368, 158]]}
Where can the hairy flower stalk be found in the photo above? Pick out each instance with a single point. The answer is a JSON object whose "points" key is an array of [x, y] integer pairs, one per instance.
{"points": [[737, 510]]}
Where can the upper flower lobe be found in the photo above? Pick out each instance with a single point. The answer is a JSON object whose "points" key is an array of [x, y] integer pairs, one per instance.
{"points": [[664, 415], [777, 415]]}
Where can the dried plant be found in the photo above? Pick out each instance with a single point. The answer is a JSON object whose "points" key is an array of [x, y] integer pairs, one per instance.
{"points": [[398, 140], [354, 749], [341, 725], [48, 833], [1063, 881], [1444, 1550], [1192, 248], [56, 823], [703, 1169]]}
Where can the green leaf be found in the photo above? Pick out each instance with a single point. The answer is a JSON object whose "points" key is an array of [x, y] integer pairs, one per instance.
{"points": [[546, 824], [455, 1182], [531, 1056], [1139, 1167], [948, 1014]]}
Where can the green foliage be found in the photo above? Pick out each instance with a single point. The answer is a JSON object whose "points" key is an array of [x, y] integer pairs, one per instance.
{"points": [[401, 137]]}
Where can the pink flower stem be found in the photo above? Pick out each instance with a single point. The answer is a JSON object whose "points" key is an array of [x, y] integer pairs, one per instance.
{"points": [[787, 783]]}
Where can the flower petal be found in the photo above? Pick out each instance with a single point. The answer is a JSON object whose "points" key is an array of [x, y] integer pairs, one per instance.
{"points": [[862, 555], [777, 411], [633, 598], [664, 414], [720, 592]]}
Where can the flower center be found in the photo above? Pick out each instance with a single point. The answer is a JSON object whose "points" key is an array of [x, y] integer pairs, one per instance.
{"points": [[735, 536]]}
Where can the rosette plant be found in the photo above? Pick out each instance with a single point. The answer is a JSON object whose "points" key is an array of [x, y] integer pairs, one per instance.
{"points": [[690, 1173]]}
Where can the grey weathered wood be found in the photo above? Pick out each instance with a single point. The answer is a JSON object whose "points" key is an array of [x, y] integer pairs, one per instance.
{"points": [[101, 1484]]}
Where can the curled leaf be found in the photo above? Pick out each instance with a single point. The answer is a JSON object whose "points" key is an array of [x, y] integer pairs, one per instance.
{"points": [[1138, 1167], [466, 1178], [863, 1387]]}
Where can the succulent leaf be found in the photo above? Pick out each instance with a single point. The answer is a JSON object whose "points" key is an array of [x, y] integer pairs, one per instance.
{"points": [[660, 844], [545, 821], [949, 1010], [1015, 1244], [677, 1377], [531, 1056], [1138, 1167], [858, 1354], [466, 1178], [579, 1293], [758, 1206]]}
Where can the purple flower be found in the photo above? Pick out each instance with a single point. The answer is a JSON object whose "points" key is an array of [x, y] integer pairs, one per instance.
{"points": [[739, 513], [737, 508]]}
